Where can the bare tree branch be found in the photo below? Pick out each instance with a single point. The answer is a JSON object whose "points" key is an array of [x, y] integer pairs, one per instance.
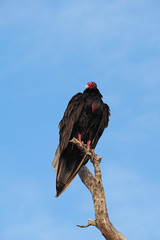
{"points": [[91, 222], [95, 186]]}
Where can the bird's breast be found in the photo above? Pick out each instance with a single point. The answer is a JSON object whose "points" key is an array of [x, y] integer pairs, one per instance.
{"points": [[94, 107]]}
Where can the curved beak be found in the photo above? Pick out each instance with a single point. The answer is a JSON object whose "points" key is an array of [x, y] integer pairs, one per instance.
{"points": [[86, 86]]}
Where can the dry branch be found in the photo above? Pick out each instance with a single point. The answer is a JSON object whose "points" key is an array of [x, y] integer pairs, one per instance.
{"points": [[95, 186]]}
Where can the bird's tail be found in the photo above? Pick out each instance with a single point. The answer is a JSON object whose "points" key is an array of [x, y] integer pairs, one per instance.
{"points": [[70, 163]]}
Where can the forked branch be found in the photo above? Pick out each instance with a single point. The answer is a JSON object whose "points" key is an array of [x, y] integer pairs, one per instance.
{"points": [[95, 186]]}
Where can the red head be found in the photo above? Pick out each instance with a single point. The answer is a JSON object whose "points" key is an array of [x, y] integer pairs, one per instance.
{"points": [[91, 85]]}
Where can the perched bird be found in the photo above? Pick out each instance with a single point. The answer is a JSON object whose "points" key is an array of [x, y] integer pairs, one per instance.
{"points": [[85, 118]]}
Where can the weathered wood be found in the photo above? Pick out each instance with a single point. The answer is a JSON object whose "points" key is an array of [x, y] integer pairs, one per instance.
{"points": [[95, 186]]}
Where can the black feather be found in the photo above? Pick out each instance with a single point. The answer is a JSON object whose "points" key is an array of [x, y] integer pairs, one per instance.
{"points": [[88, 115]]}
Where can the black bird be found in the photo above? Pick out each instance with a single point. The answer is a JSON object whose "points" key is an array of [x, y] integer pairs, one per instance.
{"points": [[85, 118]]}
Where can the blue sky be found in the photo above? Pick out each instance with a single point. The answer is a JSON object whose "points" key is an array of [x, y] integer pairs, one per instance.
{"points": [[49, 51]]}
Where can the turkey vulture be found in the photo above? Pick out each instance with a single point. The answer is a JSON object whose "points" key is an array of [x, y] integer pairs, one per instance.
{"points": [[85, 118]]}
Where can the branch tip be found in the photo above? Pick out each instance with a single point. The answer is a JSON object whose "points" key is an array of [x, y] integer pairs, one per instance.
{"points": [[91, 222]]}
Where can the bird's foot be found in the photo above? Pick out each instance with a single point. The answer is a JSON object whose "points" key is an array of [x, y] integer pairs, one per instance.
{"points": [[80, 140], [79, 137], [88, 144]]}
